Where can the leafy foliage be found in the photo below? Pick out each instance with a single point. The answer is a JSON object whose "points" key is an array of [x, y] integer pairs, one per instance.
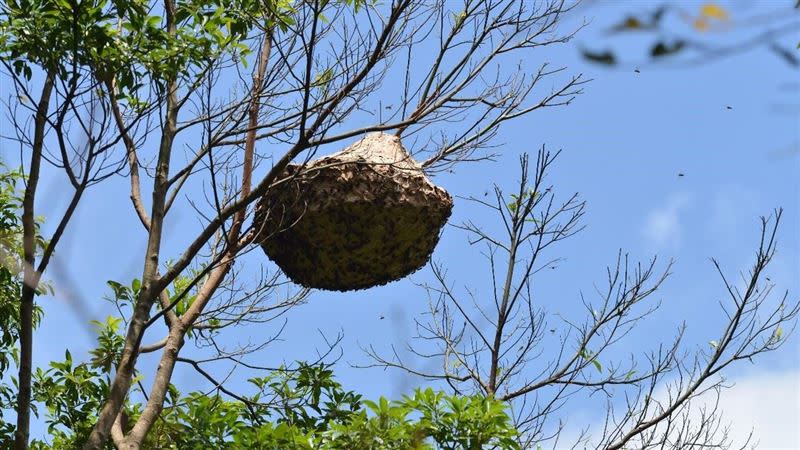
{"points": [[72, 393], [309, 410], [10, 288], [126, 40], [11, 259], [302, 408]]}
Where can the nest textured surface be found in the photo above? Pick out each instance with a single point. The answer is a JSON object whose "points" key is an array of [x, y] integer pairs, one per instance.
{"points": [[359, 218]]}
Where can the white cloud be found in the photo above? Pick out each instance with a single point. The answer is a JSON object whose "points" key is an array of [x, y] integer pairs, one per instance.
{"points": [[662, 226], [768, 403], [761, 409]]}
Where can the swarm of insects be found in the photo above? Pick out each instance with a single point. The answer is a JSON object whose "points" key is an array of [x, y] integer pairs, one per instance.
{"points": [[359, 218]]}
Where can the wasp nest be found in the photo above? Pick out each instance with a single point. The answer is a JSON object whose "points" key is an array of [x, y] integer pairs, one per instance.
{"points": [[359, 218]]}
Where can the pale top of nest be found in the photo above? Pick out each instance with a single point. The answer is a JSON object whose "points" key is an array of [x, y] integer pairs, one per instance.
{"points": [[379, 149]]}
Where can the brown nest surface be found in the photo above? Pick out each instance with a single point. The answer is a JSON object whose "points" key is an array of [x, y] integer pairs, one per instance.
{"points": [[359, 218]]}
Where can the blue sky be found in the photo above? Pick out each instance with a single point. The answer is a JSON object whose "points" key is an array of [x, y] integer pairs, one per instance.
{"points": [[624, 142]]}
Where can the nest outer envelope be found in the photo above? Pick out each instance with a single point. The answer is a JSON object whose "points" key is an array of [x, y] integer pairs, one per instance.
{"points": [[356, 219]]}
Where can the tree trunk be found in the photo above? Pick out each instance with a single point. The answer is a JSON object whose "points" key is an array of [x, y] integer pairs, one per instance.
{"points": [[30, 275]]}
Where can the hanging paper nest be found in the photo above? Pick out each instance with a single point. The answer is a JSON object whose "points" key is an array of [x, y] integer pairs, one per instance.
{"points": [[359, 218]]}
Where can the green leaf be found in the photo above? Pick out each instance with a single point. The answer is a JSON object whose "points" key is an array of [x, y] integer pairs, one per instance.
{"points": [[512, 207], [322, 79]]}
